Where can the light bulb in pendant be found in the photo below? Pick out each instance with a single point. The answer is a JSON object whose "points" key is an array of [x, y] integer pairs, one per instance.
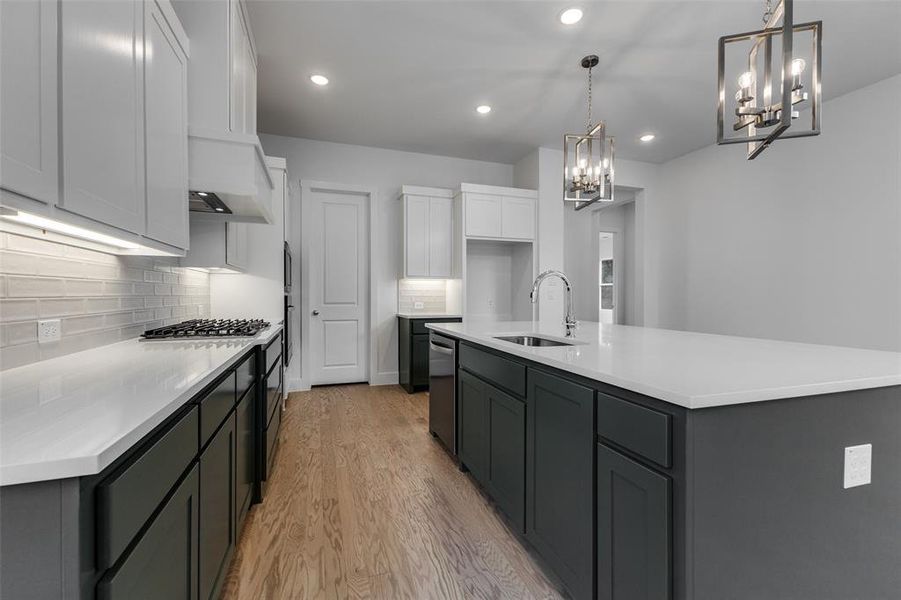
{"points": [[745, 79], [798, 66]]}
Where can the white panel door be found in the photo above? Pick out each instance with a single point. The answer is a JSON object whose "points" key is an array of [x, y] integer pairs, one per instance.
{"points": [[165, 103], [483, 215], [29, 137], [417, 236], [339, 288], [518, 218], [441, 236], [103, 111]]}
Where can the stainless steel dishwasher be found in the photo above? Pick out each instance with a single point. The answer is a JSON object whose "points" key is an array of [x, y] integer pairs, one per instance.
{"points": [[443, 390]]}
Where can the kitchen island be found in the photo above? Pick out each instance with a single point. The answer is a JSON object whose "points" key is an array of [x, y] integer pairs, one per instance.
{"points": [[646, 463]]}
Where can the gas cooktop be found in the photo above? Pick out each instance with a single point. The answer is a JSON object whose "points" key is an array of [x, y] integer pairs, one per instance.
{"points": [[207, 328]]}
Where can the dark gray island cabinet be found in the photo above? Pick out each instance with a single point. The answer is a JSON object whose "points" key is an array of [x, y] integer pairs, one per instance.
{"points": [[162, 521], [627, 497]]}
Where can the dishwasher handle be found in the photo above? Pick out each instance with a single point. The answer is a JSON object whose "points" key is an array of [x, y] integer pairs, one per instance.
{"points": [[440, 349]]}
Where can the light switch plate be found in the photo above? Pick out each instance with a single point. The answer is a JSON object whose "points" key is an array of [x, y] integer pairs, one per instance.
{"points": [[858, 465], [49, 331]]}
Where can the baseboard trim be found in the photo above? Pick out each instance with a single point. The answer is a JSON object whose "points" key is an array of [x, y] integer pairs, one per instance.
{"points": [[387, 378]]}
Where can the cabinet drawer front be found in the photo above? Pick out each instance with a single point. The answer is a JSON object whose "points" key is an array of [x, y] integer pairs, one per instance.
{"points": [[215, 407], [502, 372], [129, 497], [273, 352], [634, 523], [163, 564], [273, 396], [420, 328], [244, 375], [271, 435], [641, 430]]}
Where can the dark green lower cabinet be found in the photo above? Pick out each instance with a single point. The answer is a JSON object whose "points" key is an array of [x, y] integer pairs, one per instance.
{"points": [[507, 454], [560, 478], [473, 434], [217, 510], [244, 457], [634, 524], [163, 564]]}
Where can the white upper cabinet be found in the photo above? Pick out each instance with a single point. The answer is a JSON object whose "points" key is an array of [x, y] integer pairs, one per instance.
{"points": [[243, 91], [236, 245], [428, 232], [166, 118], [93, 118], [29, 135], [483, 215], [218, 246], [103, 112], [498, 213], [517, 218]]}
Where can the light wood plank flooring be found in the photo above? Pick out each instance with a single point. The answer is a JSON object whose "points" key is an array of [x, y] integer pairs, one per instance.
{"points": [[364, 503]]}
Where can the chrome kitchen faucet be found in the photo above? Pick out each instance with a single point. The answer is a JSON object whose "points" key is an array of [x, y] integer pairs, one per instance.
{"points": [[570, 319]]}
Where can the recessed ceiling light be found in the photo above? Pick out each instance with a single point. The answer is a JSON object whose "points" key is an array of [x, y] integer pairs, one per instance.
{"points": [[571, 16], [483, 109], [319, 79], [647, 137]]}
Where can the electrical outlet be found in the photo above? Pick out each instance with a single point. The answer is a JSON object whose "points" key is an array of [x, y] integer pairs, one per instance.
{"points": [[48, 331], [418, 305], [858, 465], [490, 303]]}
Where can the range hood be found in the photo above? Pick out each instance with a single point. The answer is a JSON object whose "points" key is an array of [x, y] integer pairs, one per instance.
{"points": [[226, 166], [228, 170]]}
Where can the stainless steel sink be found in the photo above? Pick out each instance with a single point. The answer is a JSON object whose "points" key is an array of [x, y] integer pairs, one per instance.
{"points": [[532, 340]]}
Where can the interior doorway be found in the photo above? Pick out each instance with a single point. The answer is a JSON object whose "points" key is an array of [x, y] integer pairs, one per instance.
{"points": [[608, 281], [337, 307]]}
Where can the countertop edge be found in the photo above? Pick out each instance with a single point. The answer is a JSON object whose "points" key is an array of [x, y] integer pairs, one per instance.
{"points": [[691, 402], [87, 465]]}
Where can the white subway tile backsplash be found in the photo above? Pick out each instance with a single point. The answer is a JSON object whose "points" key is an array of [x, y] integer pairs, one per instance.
{"points": [[34, 287], [100, 298], [18, 310]]}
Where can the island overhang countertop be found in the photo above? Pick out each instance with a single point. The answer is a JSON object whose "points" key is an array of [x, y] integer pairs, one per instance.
{"points": [[692, 370]]}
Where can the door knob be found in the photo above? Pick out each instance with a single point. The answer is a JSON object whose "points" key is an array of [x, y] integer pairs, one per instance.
{"points": [[315, 313]]}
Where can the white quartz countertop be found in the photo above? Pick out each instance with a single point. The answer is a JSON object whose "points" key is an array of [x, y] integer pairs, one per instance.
{"points": [[416, 315], [76, 414], [693, 370]]}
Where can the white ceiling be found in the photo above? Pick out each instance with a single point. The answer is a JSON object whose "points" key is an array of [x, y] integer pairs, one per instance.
{"points": [[408, 74]]}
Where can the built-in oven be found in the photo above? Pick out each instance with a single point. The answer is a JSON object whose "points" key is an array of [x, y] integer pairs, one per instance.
{"points": [[443, 390]]}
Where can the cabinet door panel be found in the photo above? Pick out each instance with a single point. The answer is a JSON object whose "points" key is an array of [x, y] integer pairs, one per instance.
{"points": [[244, 456], [29, 137], [473, 420], [634, 509], [441, 235], [417, 240], [483, 215], [560, 478], [250, 90], [518, 218], [420, 375], [103, 112], [217, 509], [165, 103], [163, 564], [238, 107], [507, 454]]}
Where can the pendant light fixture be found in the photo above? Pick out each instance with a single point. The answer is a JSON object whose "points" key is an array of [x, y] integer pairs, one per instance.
{"points": [[588, 158], [770, 60]]}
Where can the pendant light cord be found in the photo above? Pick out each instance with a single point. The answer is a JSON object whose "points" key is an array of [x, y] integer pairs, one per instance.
{"points": [[589, 99]]}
